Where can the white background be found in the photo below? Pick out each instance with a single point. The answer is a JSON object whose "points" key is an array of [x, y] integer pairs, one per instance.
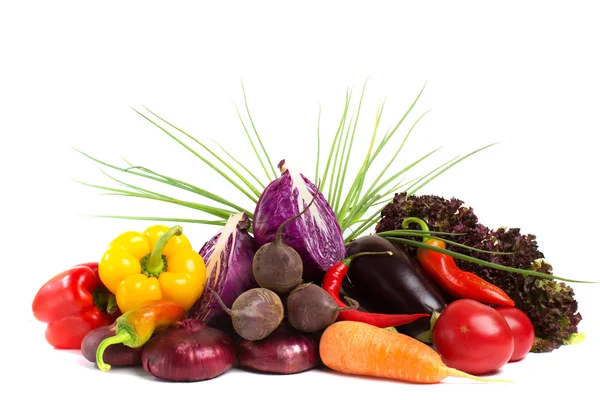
{"points": [[524, 74]]}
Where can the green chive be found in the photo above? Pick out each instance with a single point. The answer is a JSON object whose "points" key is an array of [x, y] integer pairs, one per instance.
{"points": [[336, 138], [318, 145], [256, 133], [235, 171], [214, 167], [260, 183], [163, 219], [463, 257]]}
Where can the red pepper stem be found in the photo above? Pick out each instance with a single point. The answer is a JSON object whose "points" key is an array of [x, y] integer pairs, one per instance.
{"points": [[121, 337], [105, 301], [154, 264], [348, 260], [421, 223], [111, 306]]}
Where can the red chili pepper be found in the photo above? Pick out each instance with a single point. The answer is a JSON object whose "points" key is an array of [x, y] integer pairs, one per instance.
{"points": [[73, 303], [332, 283], [458, 283]]}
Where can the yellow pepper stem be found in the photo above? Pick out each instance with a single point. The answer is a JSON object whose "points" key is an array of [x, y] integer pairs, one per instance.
{"points": [[155, 263]]}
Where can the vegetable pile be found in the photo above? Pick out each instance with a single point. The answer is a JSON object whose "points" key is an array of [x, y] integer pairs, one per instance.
{"points": [[550, 304], [298, 283]]}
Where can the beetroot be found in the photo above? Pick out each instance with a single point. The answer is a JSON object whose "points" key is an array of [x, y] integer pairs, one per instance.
{"points": [[255, 313], [310, 308]]}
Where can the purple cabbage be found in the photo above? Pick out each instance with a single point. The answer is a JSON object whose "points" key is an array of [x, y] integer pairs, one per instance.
{"points": [[316, 235], [228, 257]]}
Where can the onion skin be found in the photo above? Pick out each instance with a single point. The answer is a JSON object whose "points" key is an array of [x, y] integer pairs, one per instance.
{"points": [[285, 351], [189, 352], [117, 355]]}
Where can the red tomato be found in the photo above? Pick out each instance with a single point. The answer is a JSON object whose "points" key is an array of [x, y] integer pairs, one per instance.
{"points": [[472, 337], [522, 329]]}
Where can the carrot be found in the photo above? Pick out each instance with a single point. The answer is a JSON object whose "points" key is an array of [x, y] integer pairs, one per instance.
{"points": [[358, 348]]}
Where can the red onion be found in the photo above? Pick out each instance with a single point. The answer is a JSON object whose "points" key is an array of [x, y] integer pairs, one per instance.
{"points": [[285, 351], [115, 355], [189, 352]]}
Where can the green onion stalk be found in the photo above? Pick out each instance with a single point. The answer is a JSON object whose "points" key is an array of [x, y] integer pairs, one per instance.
{"points": [[356, 201]]}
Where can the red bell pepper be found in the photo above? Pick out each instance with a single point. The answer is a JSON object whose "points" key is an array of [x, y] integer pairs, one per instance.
{"points": [[73, 303]]}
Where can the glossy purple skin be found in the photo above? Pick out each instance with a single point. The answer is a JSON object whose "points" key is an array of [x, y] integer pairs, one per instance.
{"points": [[116, 355], [235, 275], [319, 246], [285, 351], [189, 352]]}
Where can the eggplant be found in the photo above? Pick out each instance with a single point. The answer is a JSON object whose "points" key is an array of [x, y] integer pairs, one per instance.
{"points": [[348, 290], [395, 284]]}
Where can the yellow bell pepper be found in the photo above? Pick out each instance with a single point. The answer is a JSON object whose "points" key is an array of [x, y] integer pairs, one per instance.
{"points": [[157, 264]]}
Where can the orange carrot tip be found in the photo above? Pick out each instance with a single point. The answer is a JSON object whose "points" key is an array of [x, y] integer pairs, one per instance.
{"points": [[461, 374], [357, 348]]}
